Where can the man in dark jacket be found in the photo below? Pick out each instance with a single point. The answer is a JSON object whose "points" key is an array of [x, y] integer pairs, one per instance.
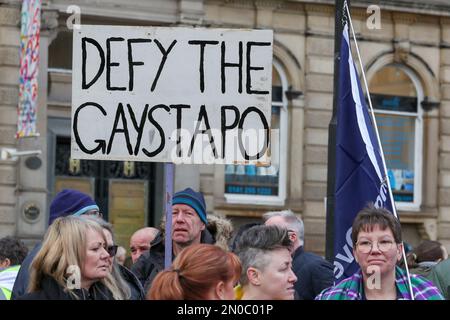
{"points": [[188, 227], [67, 202], [313, 272]]}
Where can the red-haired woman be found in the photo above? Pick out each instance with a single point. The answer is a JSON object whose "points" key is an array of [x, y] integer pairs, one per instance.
{"points": [[199, 272]]}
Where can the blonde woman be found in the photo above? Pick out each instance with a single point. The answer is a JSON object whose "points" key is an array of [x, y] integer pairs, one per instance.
{"points": [[73, 264], [127, 282]]}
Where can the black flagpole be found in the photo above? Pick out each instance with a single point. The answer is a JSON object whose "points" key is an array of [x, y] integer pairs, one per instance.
{"points": [[331, 174]]}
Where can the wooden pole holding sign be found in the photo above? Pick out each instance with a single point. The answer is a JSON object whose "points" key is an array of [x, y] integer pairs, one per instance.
{"points": [[169, 174]]}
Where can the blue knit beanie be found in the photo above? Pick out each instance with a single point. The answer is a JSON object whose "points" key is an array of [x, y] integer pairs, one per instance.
{"points": [[70, 202], [193, 199]]}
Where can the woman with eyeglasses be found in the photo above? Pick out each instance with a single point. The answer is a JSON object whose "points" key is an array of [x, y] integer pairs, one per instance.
{"points": [[128, 282], [377, 246], [73, 264]]}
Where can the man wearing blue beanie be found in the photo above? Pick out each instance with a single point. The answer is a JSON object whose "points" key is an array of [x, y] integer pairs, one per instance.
{"points": [[192, 199], [188, 218], [189, 222], [67, 202]]}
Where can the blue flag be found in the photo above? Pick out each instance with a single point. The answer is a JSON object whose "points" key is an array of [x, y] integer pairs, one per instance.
{"points": [[360, 174]]}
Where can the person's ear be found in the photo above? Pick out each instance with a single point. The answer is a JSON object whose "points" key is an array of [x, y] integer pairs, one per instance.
{"points": [[399, 251], [5, 263], [220, 290], [254, 276], [293, 236]]}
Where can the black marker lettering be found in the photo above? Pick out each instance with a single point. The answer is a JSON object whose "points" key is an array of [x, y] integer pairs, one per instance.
{"points": [[158, 127], [139, 127], [229, 64], [163, 60], [249, 67], [224, 127], [266, 129], [203, 115], [179, 108], [120, 114], [202, 58], [131, 62], [101, 144], [110, 64], [84, 55]]}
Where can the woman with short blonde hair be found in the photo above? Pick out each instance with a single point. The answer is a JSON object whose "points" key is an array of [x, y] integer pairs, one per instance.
{"points": [[72, 264]]}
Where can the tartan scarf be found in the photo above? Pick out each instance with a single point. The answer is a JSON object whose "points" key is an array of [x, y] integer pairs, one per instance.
{"points": [[352, 288]]}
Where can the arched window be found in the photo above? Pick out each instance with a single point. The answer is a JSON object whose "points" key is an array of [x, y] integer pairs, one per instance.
{"points": [[396, 94], [265, 185]]}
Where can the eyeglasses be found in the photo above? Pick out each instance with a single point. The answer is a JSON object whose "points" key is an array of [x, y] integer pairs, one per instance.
{"points": [[112, 250], [367, 246]]}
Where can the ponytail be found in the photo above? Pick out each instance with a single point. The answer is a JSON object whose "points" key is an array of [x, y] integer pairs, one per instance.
{"points": [[166, 286]]}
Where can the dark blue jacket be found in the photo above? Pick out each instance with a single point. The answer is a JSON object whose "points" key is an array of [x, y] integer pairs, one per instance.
{"points": [[313, 274], [23, 277]]}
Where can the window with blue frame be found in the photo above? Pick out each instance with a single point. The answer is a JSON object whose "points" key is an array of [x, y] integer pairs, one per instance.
{"points": [[395, 98], [261, 181]]}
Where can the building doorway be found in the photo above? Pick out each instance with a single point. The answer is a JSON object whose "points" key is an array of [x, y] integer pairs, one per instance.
{"points": [[123, 190]]}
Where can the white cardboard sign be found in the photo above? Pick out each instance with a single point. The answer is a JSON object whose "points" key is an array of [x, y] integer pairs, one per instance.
{"points": [[181, 95]]}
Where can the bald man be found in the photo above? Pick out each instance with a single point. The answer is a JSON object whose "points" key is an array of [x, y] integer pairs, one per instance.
{"points": [[140, 242]]}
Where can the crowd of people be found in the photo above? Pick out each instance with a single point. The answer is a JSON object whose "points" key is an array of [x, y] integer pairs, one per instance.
{"points": [[78, 259]]}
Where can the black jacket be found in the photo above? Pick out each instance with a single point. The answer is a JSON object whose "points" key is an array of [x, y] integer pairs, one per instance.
{"points": [[313, 274], [23, 277], [51, 290], [151, 262], [137, 291]]}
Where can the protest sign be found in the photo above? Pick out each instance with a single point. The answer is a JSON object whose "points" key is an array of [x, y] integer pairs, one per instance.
{"points": [[181, 95]]}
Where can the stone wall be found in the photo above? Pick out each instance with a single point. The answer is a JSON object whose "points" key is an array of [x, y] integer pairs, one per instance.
{"points": [[318, 107], [444, 149], [9, 98]]}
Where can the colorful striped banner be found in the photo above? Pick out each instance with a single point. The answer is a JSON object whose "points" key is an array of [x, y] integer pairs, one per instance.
{"points": [[29, 64]]}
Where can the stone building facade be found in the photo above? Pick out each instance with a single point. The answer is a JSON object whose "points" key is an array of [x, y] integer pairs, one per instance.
{"points": [[413, 43]]}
